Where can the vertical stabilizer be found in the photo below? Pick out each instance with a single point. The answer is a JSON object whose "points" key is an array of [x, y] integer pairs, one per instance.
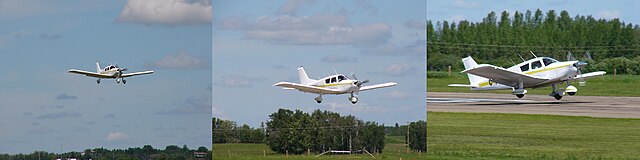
{"points": [[304, 79], [468, 64], [98, 69]]}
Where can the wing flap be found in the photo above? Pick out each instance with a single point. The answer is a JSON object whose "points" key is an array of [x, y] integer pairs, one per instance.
{"points": [[306, 88], [504, 76], [136, 73], [382, 85]]}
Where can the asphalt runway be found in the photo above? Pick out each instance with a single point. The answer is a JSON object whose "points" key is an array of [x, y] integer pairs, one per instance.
{"points": [[592, 106]]}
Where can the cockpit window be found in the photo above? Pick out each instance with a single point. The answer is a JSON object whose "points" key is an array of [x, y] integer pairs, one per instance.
{"points": [[341, 77], [327, 81], [524, 67], [536, 65], [548, 61], [333, 80]]}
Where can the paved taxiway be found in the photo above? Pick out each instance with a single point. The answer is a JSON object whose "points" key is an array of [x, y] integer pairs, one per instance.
{"points": [[593, 106]]}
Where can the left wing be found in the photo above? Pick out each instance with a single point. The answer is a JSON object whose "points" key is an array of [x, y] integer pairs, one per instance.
{"points": [[136, 73], [87, 73], [504, 76], [388, 84], [306, 88]]}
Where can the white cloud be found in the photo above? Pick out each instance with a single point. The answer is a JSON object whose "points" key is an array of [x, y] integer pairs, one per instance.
{"points": [[117, 136], [322, 29], [181, 60], [292, 6], [397, 95], [238, 81], [609, 14], [398, 69], [337, 58], [413, 24], [466, 4], [167, 12]]}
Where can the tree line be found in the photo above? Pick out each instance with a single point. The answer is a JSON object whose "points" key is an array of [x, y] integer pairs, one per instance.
{"points": [[611, 43], [417, 134], [146, 152], [296, 132], [226, 131]]}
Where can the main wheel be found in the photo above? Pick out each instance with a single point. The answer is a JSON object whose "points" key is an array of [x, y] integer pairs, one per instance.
{"points": [[124, 81], [353, 100], [557, 96], [319, 101], [98, 81], [571, 93], [519, 95]]}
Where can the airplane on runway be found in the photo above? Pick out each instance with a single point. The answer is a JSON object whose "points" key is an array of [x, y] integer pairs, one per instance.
{"points": [[334, 84], [534, 73], [109, 72]]}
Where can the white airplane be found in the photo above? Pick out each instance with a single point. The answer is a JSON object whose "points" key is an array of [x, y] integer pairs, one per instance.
{"points": [[534, 73], [335, 84], [109, 72]]}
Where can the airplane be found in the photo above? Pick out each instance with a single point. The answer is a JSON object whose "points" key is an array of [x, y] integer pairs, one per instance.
{"points": [[334, 84], [534, 73], [109, 72]]}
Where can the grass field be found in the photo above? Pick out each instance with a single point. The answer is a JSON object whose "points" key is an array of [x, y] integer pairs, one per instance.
{"points": [[623, 85], [394, 149], [518, 136]]}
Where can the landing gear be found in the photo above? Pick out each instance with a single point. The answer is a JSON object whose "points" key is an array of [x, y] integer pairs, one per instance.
{"points": [[555, 93], [98, 81], [319, 99], [124, 81], [118, 80], [520, 91], [353, 99], [571, 90]]}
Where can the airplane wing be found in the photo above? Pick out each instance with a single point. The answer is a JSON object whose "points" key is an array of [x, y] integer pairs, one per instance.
{"points": [[504, 76], [590, 74], [87, 73], [136, 73], [388, 84], [306, 88], [462, 85]]}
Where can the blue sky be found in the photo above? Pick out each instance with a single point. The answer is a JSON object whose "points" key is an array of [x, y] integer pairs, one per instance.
{"points": [[474, 11], [260, 43], [45, 108]]}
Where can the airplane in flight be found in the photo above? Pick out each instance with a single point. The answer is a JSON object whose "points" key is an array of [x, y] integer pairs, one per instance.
{"points": [[534, 73], [109, 72], [334, 84]]}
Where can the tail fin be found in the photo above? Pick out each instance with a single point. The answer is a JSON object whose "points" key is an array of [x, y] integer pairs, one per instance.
{"points": [[304, 79], [98, 69], [468, 64]]}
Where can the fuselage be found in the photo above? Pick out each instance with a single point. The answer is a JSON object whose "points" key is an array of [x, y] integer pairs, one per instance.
{"points": [[543, 67], [111, 71], [338, 82]]}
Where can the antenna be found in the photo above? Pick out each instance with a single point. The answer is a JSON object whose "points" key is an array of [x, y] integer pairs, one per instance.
{"points": [[520, 57], [534, 55], [514, 63], [334, 71]]}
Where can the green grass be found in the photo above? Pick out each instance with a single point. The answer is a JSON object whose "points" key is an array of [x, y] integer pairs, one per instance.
{"points": [[518, 136], [394, 149], [623, 85]]}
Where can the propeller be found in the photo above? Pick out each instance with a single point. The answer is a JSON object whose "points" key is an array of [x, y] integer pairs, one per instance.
{"points": [[358, 82], [580, 65]]}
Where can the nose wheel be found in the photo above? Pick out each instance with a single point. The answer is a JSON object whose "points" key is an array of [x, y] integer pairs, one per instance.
{"points": [[319, 99], [353, 99]]}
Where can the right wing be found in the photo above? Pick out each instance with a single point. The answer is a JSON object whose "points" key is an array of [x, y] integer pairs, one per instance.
{"points": [[306, 88], [504, 76], [136, 73], [87, 73]]}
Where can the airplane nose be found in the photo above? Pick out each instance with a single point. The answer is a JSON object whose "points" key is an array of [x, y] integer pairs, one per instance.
{"points": [[580, 64]]}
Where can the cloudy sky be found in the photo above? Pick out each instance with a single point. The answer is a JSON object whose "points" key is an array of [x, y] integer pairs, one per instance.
{"points": [[42, 107], [475, 10], [259, 43]]}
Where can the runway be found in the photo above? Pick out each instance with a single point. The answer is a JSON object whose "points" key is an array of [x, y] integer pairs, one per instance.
{"points": [[593, 106]]}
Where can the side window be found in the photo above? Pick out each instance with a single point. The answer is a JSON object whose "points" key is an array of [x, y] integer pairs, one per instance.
{"points": [[524, 67], [333, 80], [340, 78], [326, 81], [536, 65], [547, 61]]}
